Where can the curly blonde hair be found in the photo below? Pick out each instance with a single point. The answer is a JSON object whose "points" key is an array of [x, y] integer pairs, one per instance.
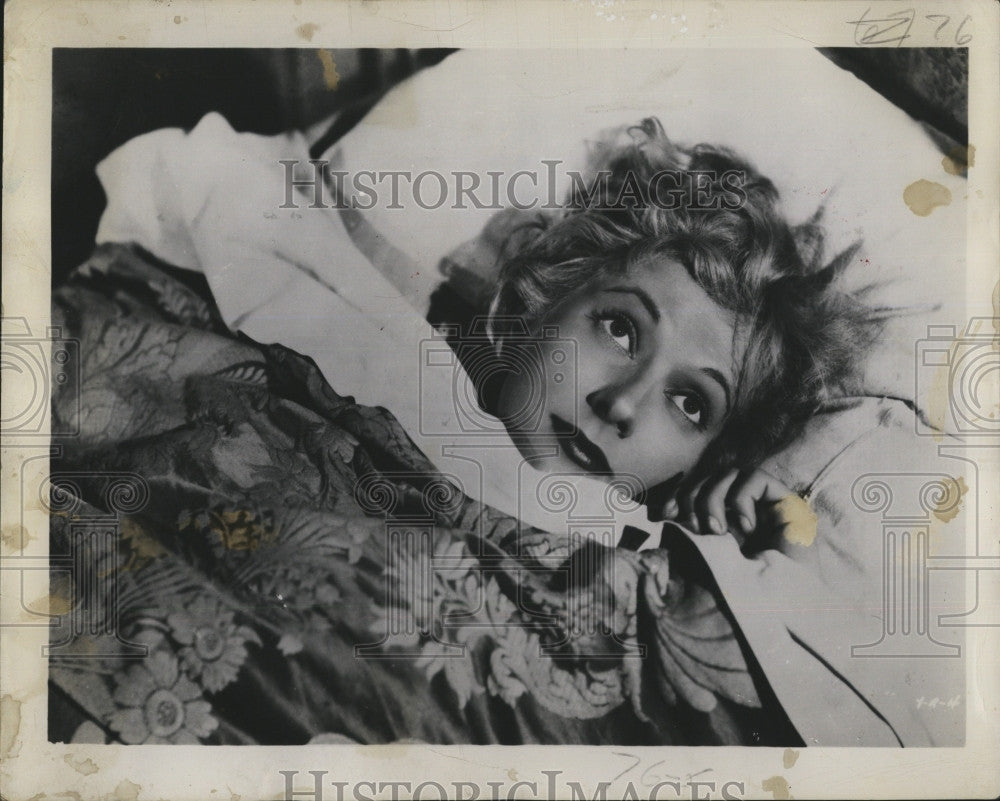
{"points": [[804, 334]]}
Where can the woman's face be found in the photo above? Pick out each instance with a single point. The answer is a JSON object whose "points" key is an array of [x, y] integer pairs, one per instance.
{"points": [[650, 385]]}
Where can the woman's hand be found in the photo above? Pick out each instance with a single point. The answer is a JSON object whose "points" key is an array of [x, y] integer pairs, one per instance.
{"points": [[745, 503]]}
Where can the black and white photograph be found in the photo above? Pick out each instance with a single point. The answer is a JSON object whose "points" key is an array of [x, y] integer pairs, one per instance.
{"points": [[483, 389]]}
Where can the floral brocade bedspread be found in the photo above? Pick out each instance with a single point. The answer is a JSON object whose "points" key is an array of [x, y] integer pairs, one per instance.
{"points": [[254, 558]]}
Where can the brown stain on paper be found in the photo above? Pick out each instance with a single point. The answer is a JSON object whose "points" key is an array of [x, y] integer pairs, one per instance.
{"points": [[53, 603], [939, 395], [778, 787], [127, 791], [789, 758], [144, 548], [959, 159], [85, 767], [923, 196], [947, 511], [10, 716], [70, 794], [15, 537], [306, 30], [800, 521], [330, 75]]}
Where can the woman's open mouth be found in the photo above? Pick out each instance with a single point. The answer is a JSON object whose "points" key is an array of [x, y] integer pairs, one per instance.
{"points": [[580, 450]]}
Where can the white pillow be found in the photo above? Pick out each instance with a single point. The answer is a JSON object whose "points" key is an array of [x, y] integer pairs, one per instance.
{"points": [[818, 132], [823, 137]]}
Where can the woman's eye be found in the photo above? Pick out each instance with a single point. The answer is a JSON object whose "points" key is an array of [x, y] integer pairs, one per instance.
{"points": [[621, 331], [690, 404]]}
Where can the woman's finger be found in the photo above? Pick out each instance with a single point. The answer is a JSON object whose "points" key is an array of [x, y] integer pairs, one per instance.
{"points": [[749, 489], [711, 502], [741, 503]]}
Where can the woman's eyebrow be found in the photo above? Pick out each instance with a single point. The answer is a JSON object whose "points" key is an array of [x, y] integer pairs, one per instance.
{"points": [[654, 312], [642, 295], [720, 379]]}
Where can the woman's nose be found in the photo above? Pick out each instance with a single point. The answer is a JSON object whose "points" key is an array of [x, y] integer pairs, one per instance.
{"points": [[615, 406]]}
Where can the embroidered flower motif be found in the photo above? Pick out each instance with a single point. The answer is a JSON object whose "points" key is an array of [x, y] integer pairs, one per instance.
{"points": [[457, 669], [238, 529], [143, 547], [508, 666], [214, 647], [160, 705], [294, 587]]}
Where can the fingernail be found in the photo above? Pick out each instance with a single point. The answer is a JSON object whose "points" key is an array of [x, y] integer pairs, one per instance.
{"points": [[745, 522], [671, 509], [715, 525]]}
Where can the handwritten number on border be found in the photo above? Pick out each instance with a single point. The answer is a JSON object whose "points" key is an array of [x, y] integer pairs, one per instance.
{"points": [[895, 28]]}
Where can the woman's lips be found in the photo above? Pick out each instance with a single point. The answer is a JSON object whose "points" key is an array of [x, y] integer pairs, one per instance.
{"points": [[580, 450]]}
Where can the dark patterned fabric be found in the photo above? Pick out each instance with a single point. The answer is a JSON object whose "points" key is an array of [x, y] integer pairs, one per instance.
{"points": [[931, 84], [282, 565]]}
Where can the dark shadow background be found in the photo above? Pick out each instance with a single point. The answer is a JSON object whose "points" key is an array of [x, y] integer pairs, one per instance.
{"points": [[102, 97]]}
